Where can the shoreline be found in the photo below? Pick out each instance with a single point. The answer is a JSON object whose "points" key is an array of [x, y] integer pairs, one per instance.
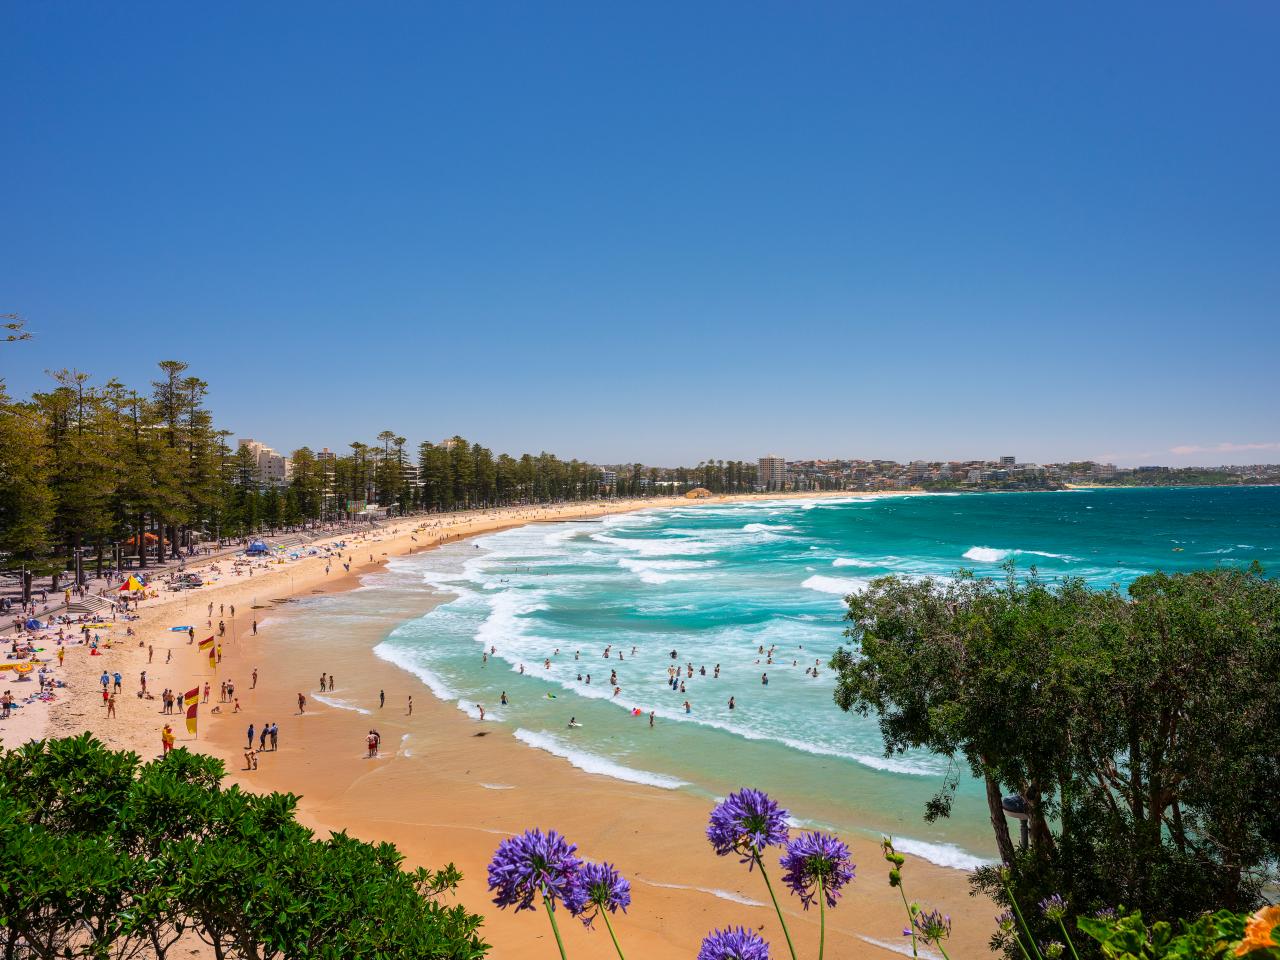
{"points": [[445, 789]]}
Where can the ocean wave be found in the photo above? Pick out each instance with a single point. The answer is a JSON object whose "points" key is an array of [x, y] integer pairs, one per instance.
{"points": [[470, 709], [713, 891], [943, 854], [661, 571], [593, 763], [405, 660], [766, 527], [995, 555], [339, 704], [853, 562], [662, 547], [841, 586]]}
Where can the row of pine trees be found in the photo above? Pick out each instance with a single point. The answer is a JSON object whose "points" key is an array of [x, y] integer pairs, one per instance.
{"points": [[93, 472]]}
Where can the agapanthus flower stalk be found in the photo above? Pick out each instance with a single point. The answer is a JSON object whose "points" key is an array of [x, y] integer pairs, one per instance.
{"points": [[1054, 908], [534, 866], [747, 823], [931, 926], [735, 943], [598, 890], [816, 866]]}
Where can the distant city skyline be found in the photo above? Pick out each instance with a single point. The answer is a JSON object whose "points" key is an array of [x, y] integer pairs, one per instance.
{"points": [[661, 233]]}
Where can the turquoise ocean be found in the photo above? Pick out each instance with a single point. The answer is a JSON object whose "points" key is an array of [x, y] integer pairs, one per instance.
{"points": [[715, 584]]}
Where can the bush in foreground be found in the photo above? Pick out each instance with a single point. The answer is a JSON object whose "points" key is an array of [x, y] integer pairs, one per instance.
{"points": [[103, 855]]}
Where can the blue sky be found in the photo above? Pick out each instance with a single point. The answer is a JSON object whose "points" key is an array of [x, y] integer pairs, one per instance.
{"points": [[661, 232]]}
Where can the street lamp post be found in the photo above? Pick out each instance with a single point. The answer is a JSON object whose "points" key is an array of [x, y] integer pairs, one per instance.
{"points": [[1016, 806]]}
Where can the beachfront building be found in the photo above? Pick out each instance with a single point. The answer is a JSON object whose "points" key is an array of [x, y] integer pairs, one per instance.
{"points": [[772, 472], [271, 469]]}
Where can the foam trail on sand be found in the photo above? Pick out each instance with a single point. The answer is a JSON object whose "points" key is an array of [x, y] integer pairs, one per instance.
{"points": [[340, 704], [591, 763], [902, 948], [713, 891]]}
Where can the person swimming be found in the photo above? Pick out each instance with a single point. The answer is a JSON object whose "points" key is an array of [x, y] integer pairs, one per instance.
{"points": [[573, 723]]}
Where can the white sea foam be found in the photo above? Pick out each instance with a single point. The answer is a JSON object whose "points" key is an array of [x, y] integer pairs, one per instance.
{"points": [[995, 555], [664, 547], [592, 763], [405, 660], [713, 891], [852, 562], [661, 571], [766, 527], [470, 709], [339, 704], [943, 854], [841, 586]]}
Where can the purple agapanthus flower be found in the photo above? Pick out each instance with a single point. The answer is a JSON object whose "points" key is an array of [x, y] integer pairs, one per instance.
{"points": [[1053, 907], [813, 857], [746, 823], [532, 866], [735, 943], [930, 926], [596, 887]]}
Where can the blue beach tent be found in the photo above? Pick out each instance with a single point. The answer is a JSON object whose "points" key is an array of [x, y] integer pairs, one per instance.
{"points": [[257, 548]]}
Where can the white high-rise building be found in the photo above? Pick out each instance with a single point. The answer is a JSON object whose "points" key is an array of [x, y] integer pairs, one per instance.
{"points": [[773, 472], [270, 468]]}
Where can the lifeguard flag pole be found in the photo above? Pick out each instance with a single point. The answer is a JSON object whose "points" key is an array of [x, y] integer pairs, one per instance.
{"points": [[193, 702]]}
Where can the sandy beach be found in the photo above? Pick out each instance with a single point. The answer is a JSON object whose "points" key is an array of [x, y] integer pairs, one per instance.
{"points": [[444, 787]]}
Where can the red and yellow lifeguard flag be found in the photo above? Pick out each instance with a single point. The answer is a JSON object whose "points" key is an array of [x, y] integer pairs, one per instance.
{"points": [[192, 700], [208, 644]]}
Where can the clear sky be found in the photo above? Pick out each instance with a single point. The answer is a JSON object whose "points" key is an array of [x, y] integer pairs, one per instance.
{"points": [[661, 232]]}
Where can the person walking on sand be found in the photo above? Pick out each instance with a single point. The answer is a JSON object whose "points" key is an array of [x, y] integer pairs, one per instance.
{"points": [[332, 686], [254, 684], [151, 652], [262, 737], [250, 758], [166, 739], [191, 635], [302, 704], [275, 736], [206, 691], [111, 705], [323, 688], [410, 707], [250, 741], [382, 699], [255, 628]]}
